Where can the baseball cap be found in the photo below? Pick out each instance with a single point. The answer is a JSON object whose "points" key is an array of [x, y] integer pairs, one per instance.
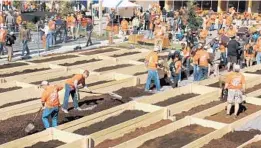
{"points": [[44, 83]]}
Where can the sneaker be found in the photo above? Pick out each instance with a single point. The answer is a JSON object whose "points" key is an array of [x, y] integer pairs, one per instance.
{"points": [[78, 109], [65, 110]]}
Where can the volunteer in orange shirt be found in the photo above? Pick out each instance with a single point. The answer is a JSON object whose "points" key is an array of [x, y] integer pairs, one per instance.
{"points": [[223, 53], [51, 32], [203, 34], [249, 54], [151, 61], [175, 69], [3, 34], [235, 83], [71, 88], [186, 57], [202, 59], [220, 21], [19, 21], [50, 103]]}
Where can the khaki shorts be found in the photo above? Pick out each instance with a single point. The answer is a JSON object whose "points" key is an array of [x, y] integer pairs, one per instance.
{"points": [[234, 96]]}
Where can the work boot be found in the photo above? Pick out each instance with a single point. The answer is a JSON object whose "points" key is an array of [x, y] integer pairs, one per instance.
{"points": [[78, 109], [65, 110]]}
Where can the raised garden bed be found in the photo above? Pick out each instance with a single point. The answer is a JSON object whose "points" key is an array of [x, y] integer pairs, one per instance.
{"points": [[245, 110], [103, 102], [81, 62], [100, 51], [12, 65], [140, 73], [134, 134], [254, 88], [141, 60], [216, 85], [197, 109], [18, 102], [62, 57], [176, 99], [125, 54], [254, 72], [53, 80], [232, 139], [23, 72], [112, 67], [9, 89], [48, 144], [254, 145], [178, 138], [98, 83], [109, 122]]}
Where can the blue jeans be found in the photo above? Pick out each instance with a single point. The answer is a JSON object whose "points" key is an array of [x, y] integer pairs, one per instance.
{"points": [[220, 26], [25, 47], [203, 73], [258, 58], [67, 93], [174, 79], [50, 112], [1, 48], [64, 35], [153, 75], [195, 72], [223, 58]]}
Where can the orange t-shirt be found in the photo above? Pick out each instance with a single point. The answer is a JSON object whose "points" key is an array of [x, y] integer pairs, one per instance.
{"points": [[84, 22], [152, 60], [235, 80], [19, 20], [203, 34], [70, 21], [202, 58], [186, 52], [177, 66], [51, 25], [3, 34], [231, 32], [50, 96], [124, 25], [229, 20], [78, 77], [222, 48]]}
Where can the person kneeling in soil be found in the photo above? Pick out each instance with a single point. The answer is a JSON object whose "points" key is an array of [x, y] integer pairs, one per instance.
{"points": [[175, 68], [50, 103], [151, 62], [71, 88], [235, 83]]}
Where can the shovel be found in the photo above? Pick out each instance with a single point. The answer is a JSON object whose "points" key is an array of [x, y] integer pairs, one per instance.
{"points": [[31, 126], [113, 95]]}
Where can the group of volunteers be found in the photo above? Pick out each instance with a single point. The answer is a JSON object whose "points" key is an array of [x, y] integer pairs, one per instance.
{"points": [[236, 45], [50, 97]]}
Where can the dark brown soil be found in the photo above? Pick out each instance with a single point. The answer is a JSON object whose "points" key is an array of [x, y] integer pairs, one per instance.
{"points": [[254, 145], [140, 73], [131, 135], [109, 122], [11, 65], [125, 54], [18, 102], [9, 89], [178, 138], [176, 99], [141, 60], [112, 67], [103, 102], [99, 51], [221, 116], [252, 89], [48, 144], [99, 82], [81, 62], [53, 80], [23, 72], [197, 109], [217, 84], [62, 57], [255, 72], [232, 139]]}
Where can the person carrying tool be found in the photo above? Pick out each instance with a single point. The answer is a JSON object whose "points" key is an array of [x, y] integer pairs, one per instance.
{"points": [[151, 61], [235, 83], [50, 103], [71, 88]]}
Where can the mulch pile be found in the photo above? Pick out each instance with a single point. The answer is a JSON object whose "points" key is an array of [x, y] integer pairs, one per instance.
{"points": [[23, 72], [178, 138], [232, 139], [112, 67], [109, 122], [81, 62], [9, 89], [176, 99], [48, 144], [12, 65], [132, 135], [62, 57]]}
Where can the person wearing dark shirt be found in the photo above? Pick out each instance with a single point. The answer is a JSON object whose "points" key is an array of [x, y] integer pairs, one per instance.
{"points": [[89, 29], [10, 40], [233, 48], [164, 14]]}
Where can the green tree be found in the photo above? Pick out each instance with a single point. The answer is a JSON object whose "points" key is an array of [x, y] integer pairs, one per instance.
{"points": [[66, 8], [194, 21], [17, 4]]}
